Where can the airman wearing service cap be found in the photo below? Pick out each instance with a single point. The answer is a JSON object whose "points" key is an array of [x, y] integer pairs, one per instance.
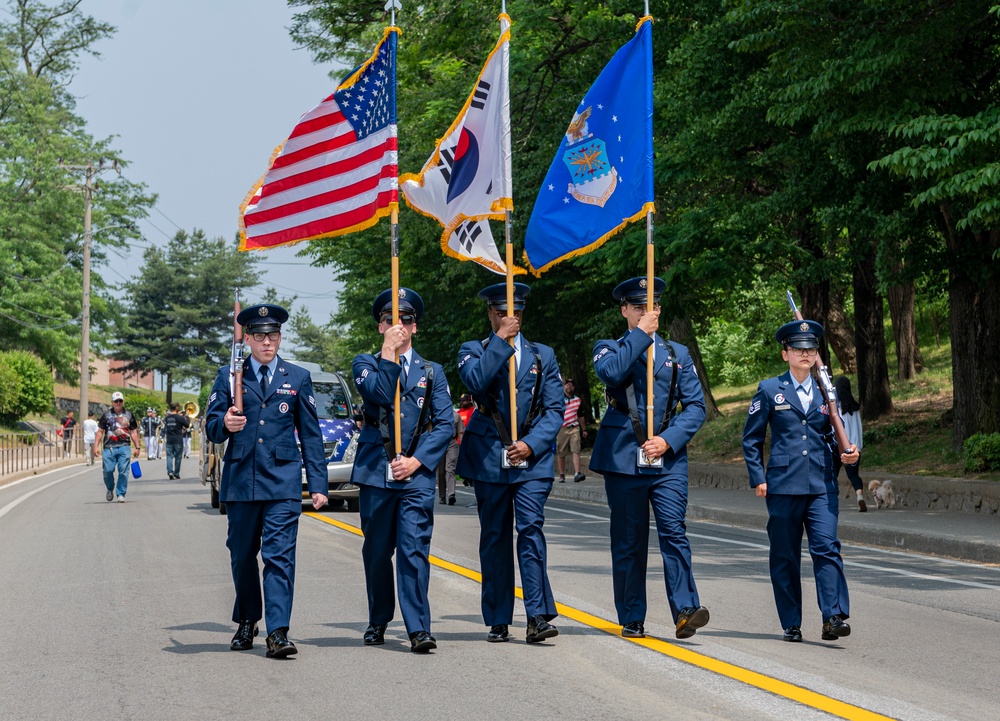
{"points": [[397, 492], [262, 475], [510, 474], [642, 471], [799, 485]]}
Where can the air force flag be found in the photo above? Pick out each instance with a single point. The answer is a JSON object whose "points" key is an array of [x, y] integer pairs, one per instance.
{"points": [[467, 179], [602, 176]]}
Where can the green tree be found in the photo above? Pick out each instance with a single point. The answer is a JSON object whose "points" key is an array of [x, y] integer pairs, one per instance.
{"points": [[34, 386], [175, 304], [921, 78], [41, 208]]}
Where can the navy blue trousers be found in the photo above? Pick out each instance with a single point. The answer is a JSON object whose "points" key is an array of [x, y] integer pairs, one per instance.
{"points": [[501, 505], [629, 498], [397, 520], [269, 528], [788, 516]]}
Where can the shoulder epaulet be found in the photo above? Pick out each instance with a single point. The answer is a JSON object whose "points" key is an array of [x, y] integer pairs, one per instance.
{"points": [[486, 341]]}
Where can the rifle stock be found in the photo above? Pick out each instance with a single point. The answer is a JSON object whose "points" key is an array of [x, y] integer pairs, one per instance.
{"points": [[822, 375], [236, 360]]}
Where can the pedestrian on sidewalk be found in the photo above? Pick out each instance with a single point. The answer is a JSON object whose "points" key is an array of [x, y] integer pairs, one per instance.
{"points": [[68, 426], [568, 440], [446, 468], [465, 410], [174, 426], [89, 434], [850, 413], [396, 495], [640, 471], [118, 429], [799, 485], [512, 479]]}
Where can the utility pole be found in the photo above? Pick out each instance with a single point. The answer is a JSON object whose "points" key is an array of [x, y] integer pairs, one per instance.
{"points": [[88, 193]]}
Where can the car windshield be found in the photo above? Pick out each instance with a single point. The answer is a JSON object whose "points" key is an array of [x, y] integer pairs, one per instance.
{"points": [[330, 400]]}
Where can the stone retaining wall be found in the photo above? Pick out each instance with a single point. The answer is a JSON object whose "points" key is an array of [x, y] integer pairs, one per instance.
{"points": [[926, 492]]}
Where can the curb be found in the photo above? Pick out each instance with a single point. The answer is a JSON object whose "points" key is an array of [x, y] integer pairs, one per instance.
{"points": [[37, 470], [918, 540]]}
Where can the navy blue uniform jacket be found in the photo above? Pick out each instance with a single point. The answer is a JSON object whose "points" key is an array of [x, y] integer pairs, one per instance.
{"points": [[376, 381], [263, 462], [484, 372], [618, 362], [800, 462]]}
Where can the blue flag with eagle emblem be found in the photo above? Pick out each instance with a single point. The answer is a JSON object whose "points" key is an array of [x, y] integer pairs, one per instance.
{"points": [[602, 176]]}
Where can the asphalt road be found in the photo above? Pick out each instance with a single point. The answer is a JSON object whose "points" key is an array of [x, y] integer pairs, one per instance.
{"points": [[121, 611]]}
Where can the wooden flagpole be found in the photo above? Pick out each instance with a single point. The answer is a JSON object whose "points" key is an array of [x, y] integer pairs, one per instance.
{"points": [[512, 390], [392, 5], [650, 360]]}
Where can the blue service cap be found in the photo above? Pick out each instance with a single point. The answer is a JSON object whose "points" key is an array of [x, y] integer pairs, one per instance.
{"points": [[496, 295], [262, 318], [800, 334], [633, 290], [409, 302]]}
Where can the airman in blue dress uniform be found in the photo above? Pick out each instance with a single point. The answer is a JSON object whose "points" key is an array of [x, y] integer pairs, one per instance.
{"points": [[799, 485], [516, 494], [262, 475], [632, 483], [399, 513]]}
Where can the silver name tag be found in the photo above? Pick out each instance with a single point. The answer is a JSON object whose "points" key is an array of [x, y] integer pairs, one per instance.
{"points": [[785, 407], [644, 461]]}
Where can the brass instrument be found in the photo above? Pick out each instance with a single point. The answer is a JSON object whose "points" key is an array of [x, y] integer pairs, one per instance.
{"points": [[191, 409]]}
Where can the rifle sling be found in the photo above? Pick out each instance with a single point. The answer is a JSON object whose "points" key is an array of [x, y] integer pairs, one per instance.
{"points": [[382, 422], [493, 411], [631, 409]]}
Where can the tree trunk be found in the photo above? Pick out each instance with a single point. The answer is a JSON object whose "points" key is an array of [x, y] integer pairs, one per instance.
{"points": [[681, 331], [904, 331], [815, 306], [841, 335], [873, 370], [974, 296], [170, 389]]}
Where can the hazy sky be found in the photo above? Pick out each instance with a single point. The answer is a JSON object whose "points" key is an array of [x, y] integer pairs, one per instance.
{"points": [[199, 93]]}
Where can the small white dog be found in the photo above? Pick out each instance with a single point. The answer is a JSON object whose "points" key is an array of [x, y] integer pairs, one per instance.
{"points": [[882, 493]]}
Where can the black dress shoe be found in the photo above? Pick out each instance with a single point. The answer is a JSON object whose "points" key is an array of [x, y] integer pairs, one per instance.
{"points": [[375, 634], [498, 633], [792, 634], [579, 477], [278, 645], [422, 642], [689, 620], [451, 500], [243, 640], [634, 629], [539, 629], [835, 628]]}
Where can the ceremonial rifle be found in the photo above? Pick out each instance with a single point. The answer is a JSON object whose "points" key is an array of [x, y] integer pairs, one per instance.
{"points": [[826, 387], [236, 359]]}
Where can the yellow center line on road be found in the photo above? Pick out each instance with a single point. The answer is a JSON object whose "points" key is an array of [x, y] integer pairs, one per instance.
{"points": [[752, 678]]}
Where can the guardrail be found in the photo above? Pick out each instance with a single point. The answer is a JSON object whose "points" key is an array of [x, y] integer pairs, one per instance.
{"points": [[24, 451]]}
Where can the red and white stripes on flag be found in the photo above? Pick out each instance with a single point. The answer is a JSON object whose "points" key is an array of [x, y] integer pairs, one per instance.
{"points": [[337, 171]]}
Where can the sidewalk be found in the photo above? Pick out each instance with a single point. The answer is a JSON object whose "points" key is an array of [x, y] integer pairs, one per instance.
{"points": [[968, 536]]}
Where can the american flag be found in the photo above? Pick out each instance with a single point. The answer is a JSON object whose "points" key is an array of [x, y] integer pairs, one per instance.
{"points": [[337, 171]]}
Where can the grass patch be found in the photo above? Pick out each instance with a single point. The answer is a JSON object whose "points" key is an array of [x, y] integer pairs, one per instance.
{"points": [[909, 440]]}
